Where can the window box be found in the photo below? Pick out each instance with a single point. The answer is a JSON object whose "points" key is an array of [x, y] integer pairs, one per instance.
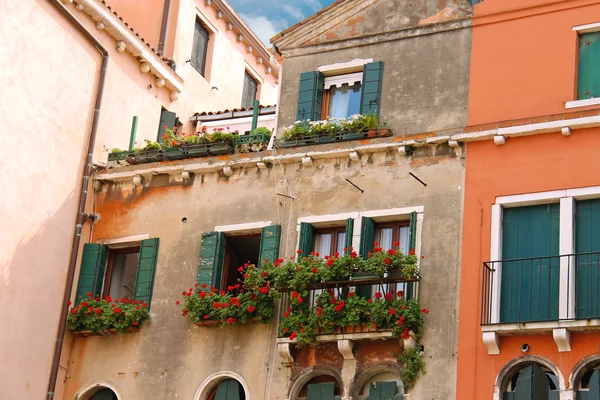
{"points": [[253, 142], [146, 156], [338, 137], [120, 159], [175, 153], [208, 323], [106, 332], [197, 150], [351, 135], [221, 148]]}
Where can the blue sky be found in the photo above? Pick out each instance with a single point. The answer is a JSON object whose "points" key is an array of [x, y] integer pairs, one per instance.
{"points": [[268, 17]]}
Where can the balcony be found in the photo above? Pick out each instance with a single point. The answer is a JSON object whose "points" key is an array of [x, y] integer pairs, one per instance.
{"points": [[540, 295]]}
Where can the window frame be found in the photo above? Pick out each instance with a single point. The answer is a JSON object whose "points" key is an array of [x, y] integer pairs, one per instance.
{"points": [[110, 264], [226, 271], [335, 231], [334, 80], [395, 225], [248, 77], [201, 69], [579, 30]]}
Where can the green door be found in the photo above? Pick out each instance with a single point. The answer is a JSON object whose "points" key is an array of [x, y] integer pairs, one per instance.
{"points": [[321, 391], [587, 240], [529, 281], [230, 389], [532, 384], [383, 391]]}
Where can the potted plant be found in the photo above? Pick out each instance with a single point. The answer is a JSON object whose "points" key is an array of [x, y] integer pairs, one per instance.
{"points": [[325, 131], [385, 131], [297, 134], [150, 153], [353, 127], [222, 142], [173, 145], [196, 145], [371, 123], [105, 316], [256, 141], [118, 157]]}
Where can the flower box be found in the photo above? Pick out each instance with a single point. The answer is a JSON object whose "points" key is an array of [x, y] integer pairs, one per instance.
{"points": [[106, 332], [253, 142], [208, 323], [352, 135], [221, 148], [120, 159], [145, 156], [175, 153], [197, 150], [362, 276], [325, 139]]}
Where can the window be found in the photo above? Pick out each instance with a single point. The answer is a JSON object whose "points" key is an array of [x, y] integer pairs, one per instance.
{"points": [[340, 96], [200, 47], [587, 382], [329, 241], [104, 394], [588, 78], [321, 388], [587, 263], [118, 272], [383, 386], [229, 389], [121, 273], [250, 90], [532, 382], [168, 120], [222, 254]]}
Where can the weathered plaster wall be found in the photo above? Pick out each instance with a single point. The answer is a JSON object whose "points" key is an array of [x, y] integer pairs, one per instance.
{"points": [[425, 83], [145, 17], [170, 357]]}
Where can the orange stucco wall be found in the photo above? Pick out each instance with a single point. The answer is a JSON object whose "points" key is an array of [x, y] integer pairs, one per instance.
{"points": [[522, 165], [524, 57]]}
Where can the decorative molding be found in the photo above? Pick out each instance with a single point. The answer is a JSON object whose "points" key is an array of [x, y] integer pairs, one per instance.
{"points": [[121, 46], [95, 386], [594, 27], [137, 180], [499, 139], [219, 14], [339, 80], [540, 328], [356, 64], [410, 342], [346, 348], [453, 143], [261, 165], [491, 342], [562, 337], [284, 350], [566, 131], [229, 26], [227, 170], [354, 156], [307, 161], [402, 150]]}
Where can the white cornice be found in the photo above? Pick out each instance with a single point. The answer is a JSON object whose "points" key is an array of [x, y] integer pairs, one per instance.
{"points": [[124, 37]]}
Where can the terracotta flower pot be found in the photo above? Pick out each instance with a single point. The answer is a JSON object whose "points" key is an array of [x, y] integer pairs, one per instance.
{"points": [[371, 133], [385, 132], [349, 329]]}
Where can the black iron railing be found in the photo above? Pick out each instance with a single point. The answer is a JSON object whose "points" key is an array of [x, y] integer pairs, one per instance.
{"points": [[538, 289]]}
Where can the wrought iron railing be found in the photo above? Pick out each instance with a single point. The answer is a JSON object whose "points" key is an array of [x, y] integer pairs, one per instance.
{"points": [[539, 289]]}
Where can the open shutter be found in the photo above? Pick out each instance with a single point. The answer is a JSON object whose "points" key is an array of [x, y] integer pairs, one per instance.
{"points": [[168, 119], [310, 96], [144, 281], [306, 239], [212, 254], [269, 243], [370, 99], [588, 84], [91, 275], [367, 236], [382, 391], [321, 391], [349, 234], [413, 230], [587, 240]]}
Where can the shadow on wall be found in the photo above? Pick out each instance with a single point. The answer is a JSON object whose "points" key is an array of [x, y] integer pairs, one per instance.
{"points": [[31, 292]]}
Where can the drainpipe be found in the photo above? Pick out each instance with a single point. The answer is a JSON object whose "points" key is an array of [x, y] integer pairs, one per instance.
{"points": [[163, 27], [81, 216]]}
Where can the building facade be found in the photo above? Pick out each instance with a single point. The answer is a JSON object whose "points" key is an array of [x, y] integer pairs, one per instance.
{"points": [[54, 73], [167, 226], [529, 240]]}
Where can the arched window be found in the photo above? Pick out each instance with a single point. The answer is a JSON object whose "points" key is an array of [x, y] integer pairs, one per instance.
{"points": [[384, 386], [323, 387], [228, 389], [104, 394], [588, 382], [532, 382]]}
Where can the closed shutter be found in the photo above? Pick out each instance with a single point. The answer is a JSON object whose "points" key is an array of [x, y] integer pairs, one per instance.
{"points": [[168, 119], [367, 241], [588, 79], [593, 392], [212, 254], [230, 389], [349, 234], [382, 391], [529, 288], [306, 239], [269, 243], [310, 96], [200, 48], [104, 394], [532, 384], [91, 274], [587, 274], [412, 231], [249, 91], [144, 281], [370, 101], [321, 391]]}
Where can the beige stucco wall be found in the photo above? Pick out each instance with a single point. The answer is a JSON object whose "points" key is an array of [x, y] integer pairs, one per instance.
{"points": [[170, 357]]}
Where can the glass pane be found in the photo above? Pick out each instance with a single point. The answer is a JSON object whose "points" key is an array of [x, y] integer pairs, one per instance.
{"points": [[354, 102], [322, 244], [344, 101], [123, 275], [404, 239], [384, 237], [341, 242]]}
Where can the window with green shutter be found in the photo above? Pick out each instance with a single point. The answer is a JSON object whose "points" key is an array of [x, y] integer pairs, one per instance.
{"points": [[168, 120], [349, 234], [321, 391], [269, 243], [310, 96], [305, 242], [144, 281], [533, 382], [229, 389], [210, 263], [589, 385], [91, 274], [383, 391], [588, 73], [372, 84], [587, 266]]}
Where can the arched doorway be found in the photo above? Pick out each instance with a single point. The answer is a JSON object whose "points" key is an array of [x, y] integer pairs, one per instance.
{"points": [[227, 389], [532, 381], [384, 386]]}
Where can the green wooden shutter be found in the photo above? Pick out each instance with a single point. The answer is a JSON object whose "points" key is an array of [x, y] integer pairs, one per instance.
{"points": [[529, 288], [587, 240], [382, 391], [593, 393], [306, 239], [532, 384], [367, 236], [349, 234], [212, 254], [412, 232], [229, 389], [91, 274], [370, 99], [321, 391], [588, 80], [310, 96], [168, 119], [144, 281], [269, 243]]}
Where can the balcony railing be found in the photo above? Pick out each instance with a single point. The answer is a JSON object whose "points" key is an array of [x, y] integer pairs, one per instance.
{"points": [[541, 289]]}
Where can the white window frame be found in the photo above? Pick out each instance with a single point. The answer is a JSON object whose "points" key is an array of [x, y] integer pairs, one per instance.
{"points": [[586, 28], [566, 198]]}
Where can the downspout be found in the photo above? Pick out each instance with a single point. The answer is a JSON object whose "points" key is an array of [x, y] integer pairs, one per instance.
{"points": [[81, 216], [163, 27]]}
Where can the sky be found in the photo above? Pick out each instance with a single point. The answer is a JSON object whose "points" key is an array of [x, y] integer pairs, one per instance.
{"points": [[269, 17]]}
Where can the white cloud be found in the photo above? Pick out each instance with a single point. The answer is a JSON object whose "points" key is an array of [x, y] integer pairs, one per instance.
{"points": [[294, 12], [264, 28]]}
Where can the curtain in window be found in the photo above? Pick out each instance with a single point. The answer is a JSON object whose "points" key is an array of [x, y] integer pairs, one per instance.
{"points": [[323, 244], [344, 101]]}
